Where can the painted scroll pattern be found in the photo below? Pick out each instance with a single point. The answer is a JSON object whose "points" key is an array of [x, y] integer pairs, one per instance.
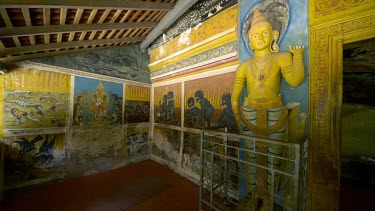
{"points": [[328, 7]]}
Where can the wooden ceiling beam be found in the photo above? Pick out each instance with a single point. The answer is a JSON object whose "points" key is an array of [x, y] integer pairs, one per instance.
{"points": [[84, 4], [73, 44], [11, 59], [52, 29]]}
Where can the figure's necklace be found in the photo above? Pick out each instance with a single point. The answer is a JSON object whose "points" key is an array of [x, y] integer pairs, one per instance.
{"points": [[261, 63]]}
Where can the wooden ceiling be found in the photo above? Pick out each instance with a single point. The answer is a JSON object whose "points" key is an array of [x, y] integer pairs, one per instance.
{"points": [[40, 28]]}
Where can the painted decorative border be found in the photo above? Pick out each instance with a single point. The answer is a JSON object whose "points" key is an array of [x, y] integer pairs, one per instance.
{"points": [[222, 52], [214, 39], [210, 28], [328, 7], [210, 65], [197, 14], [32, 131]]}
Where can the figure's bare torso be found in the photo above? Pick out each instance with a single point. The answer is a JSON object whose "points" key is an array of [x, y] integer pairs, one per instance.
{"points": [[263, 79]]}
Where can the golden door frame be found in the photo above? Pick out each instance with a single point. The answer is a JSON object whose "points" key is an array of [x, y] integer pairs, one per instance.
{"points": [[332, 23]]}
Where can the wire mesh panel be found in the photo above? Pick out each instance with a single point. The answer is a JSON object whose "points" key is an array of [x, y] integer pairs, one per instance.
{"points": [[246, 173]]}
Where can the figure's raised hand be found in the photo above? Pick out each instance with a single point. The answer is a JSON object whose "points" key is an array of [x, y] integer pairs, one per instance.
{"points": [[296, 49]]}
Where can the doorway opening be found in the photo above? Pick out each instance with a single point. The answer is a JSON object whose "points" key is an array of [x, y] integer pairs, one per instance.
{"points": [[357, 188]]}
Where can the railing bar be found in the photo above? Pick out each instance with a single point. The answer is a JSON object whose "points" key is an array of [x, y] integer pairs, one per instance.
{"points": [[246, 150], [252, 164]]}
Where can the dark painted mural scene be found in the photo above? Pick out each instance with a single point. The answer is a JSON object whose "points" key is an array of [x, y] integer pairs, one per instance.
{"points": [[126, 63], [168, 106]]}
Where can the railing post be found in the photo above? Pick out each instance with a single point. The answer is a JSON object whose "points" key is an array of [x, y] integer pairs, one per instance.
{"points": [[201, 171]]}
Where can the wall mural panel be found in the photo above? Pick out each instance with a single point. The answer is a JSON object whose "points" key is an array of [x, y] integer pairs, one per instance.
{"points": [[127, 63], [32, 158], [191, 152], [137, 142], [207, 102], [166, 144], [97, 103], [167, 104], [35, 99], [91, 151], [137, 104]]}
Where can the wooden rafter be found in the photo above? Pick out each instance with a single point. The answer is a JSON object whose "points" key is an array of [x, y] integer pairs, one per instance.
{"points": [[53, 29], [72, 44], [84, 4]]}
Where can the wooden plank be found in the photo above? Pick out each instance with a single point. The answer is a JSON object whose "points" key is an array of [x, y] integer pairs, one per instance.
{"points": [[62, 23], [77, 18], [89, 21], [113, 19], [46, 20], [104, 16], [84, 4], [123, 19], [52, 29], [26, 16], [73, 44], [132, 20]]}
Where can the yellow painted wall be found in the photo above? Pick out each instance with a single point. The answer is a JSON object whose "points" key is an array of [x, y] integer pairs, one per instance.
{"points": [[36, 80], [137, 93], [215, 25]]}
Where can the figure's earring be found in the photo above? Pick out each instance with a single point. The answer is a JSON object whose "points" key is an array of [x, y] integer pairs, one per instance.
{"points": [[274, 47]]}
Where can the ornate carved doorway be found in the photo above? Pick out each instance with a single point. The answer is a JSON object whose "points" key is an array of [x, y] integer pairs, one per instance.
{"points": [[332, 24]]}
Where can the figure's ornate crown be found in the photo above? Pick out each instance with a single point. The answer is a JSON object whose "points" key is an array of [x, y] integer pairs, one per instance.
{"points": [[100, 86], [258, 20]]}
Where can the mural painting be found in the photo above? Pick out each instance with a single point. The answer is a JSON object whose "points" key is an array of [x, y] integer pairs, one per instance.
{"points": [[208, 104], [137, 142], [137, 104], [97, 103], [166, 144], [127, 63], [95, 150], [34, 157], [191, 152], [35, 99], [167, 104]]}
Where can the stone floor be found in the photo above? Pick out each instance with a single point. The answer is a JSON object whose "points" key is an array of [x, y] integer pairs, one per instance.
{"points": [[104, 188]]}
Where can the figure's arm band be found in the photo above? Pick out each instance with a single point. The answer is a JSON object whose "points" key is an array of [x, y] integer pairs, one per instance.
{"points": [[239, 80], [286, 70]]}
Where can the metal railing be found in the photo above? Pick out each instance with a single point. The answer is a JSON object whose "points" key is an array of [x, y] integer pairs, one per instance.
{"points": [[231, 165]]}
